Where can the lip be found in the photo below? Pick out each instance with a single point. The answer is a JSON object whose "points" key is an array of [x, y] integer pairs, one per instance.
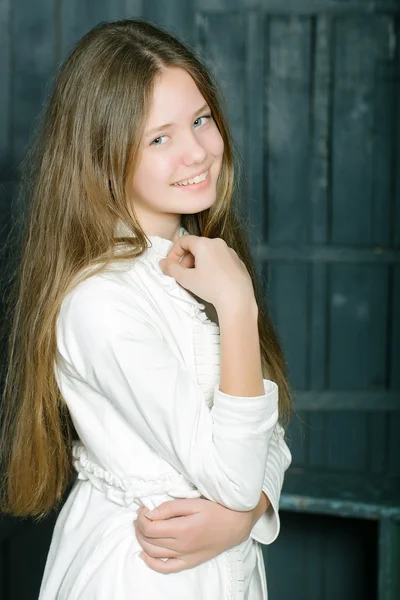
{"points": [[192, 176], [195, 187]]}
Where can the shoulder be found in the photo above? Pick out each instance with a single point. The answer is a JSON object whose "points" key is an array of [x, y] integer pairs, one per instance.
{"points": [[105, 302]]}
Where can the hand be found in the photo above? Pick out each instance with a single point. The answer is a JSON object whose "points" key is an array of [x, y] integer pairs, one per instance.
{"points": [[210, 269], [189, 532]]}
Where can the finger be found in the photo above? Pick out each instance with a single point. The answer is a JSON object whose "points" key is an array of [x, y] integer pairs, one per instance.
{"points": [[168, 529], [188, 261], [173, 565], [173, 508], [186, 243], [156, 551], [165, 543]]}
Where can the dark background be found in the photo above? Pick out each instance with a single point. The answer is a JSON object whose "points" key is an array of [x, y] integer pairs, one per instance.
{"points": [[312, 88]]}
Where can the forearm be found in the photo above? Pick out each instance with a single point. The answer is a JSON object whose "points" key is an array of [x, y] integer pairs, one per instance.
{"points": [[240, 371]]}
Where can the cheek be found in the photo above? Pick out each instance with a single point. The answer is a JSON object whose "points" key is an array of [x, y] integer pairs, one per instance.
{"points": [[155, 170], [216, 144]]}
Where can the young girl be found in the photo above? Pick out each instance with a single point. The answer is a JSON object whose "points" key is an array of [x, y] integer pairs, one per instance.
{"points": [[157, 382]]}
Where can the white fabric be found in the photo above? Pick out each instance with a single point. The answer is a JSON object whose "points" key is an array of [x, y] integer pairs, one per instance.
{"points": [[138, 366]]}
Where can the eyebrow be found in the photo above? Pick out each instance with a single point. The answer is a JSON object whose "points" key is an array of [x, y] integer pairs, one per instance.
{"points": [[168, 125]]}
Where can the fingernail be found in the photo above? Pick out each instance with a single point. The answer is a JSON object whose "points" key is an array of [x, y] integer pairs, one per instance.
{"points": [[151, 513], [141, 556]]}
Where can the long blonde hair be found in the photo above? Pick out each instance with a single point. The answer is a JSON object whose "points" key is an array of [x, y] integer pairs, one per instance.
{"points": [[74, 180]]}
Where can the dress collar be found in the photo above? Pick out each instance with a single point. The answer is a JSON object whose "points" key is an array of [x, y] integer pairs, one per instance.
{"points": [[157, 248]]}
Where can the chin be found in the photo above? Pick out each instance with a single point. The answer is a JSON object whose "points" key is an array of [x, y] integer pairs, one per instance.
{"points": [[194, 207]]}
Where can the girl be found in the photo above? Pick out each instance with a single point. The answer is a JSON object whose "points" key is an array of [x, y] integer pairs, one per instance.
{"points": [[114, 358]]}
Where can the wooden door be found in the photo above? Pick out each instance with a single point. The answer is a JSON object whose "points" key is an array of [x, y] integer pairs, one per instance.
{"points": [[312, 90]]}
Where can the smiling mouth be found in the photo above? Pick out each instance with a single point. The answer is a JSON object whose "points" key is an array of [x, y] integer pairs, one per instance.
{"points": [[194, 181]]}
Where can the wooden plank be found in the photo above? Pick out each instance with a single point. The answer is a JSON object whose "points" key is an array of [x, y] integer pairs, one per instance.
{"points": [[289, 550], [341, 494], [349, 555], [8, 191], [360, 42], [302, 7], [394, 331], [346, 441], [226, 5], [132, 9], [289, 287], [227, 61], [347, 400], [4, 568], [329, 6], [378, 432], [176, 16], [330, 254], [389, 560], [314, 562], [317, 447], [318, 327], [288, 127], [77, 17], [311, 549], [319, 197], [386, 95], [9, 526], [33, 51], [5, 77], [257, 43], [321, 99], [395, 208], [29, 547], [393, 466], [297, 439], [358, 317]]}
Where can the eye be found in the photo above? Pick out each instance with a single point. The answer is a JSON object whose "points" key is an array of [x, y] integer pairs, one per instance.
{"points": [[204, 117], [158, 138], [153, 143]]}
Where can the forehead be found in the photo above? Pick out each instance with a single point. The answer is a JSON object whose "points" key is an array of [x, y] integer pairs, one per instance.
{"points": [[175, 95]]}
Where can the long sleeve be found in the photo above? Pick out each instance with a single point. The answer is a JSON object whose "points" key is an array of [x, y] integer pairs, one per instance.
{"points": [[111, 343], [267, 528]]}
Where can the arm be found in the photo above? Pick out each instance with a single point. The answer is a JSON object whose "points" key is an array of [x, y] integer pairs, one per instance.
{"points": [[208, 528], [241, 373], [111, 343], [266, 523]]}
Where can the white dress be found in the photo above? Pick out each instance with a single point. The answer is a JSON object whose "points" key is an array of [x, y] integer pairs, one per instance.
{"points": [[138, 366]]}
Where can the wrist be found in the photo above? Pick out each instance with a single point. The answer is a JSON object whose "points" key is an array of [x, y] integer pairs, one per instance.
{"points": [[239, 307]]}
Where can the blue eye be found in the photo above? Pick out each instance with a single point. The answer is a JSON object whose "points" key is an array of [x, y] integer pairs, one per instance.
{"points": [[203, 117], [158, 138], [162, 136]]}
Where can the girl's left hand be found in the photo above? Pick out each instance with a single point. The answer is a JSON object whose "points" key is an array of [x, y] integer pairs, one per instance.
{"points": [[189, 532]]}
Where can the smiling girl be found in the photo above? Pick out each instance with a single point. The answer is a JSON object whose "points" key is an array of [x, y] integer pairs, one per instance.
{"points": [[156, 382]]}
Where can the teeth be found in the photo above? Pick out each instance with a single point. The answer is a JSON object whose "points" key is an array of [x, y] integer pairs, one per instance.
{"points": [[197, 179]]}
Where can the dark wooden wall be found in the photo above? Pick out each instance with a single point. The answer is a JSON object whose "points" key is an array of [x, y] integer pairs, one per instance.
{"points": [[312, 88]]}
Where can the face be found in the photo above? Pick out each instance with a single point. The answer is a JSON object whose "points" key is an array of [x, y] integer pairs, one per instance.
{"points": [[190, 145]]}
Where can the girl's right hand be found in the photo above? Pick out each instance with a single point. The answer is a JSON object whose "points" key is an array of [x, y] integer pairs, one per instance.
{"points": [[210, 269]]}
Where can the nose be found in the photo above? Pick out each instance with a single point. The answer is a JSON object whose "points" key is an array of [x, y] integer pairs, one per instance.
{"points": [[193, 150]]}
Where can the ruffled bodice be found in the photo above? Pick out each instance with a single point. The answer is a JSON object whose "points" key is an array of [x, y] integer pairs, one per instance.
{"points": [[207, 354], [204, 331], [125, 490], [206, 349]]}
